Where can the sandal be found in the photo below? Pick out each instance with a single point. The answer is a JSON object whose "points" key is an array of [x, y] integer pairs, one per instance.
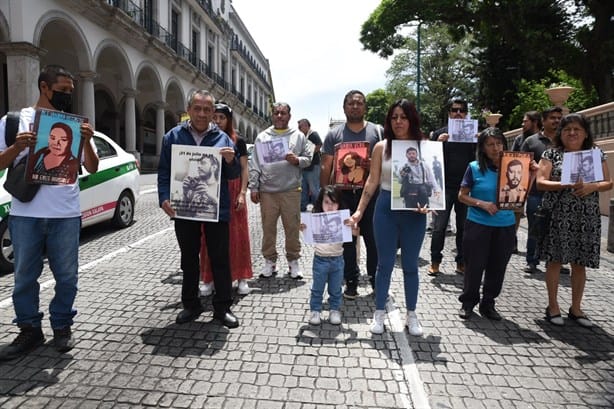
{"points": [[582, 320], [554, 319]]}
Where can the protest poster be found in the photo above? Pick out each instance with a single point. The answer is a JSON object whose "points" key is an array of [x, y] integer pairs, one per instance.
{"points": [[56, 157], [196, 173]]}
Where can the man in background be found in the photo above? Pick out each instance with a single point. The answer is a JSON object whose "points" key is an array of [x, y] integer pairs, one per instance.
{"points": [[456, 157], [355, 129], [311, 174], [537, 144], [277, 188]]}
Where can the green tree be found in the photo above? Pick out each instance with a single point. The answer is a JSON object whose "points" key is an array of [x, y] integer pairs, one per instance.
{"points": [[512, 39], [532, 95], [378, 102], [444, 73]]}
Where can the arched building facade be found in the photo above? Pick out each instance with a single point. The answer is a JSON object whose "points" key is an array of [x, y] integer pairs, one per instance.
{"points": [[135, 62]]}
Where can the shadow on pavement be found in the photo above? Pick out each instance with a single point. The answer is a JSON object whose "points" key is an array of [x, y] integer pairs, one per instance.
{"points": [[504, 332], [39, 369], [596, 344], [192, 339], [276, 284]]}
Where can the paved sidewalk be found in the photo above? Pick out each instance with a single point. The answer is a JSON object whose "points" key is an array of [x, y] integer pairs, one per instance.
{"points": [[132, 354]]}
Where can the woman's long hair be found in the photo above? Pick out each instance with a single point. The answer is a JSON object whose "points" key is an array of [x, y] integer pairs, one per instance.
{"points": [[484, 161], [409, 109], [223, 108]]}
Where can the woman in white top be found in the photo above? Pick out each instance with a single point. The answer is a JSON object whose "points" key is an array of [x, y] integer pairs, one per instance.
{"points": [[393, 227]]}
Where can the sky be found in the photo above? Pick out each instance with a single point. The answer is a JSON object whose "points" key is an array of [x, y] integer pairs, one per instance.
{"points": [[314, 53]]}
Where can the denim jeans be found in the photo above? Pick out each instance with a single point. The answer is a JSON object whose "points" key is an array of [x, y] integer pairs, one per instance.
{"points": [[30, 235], [392, 227], [310, 187], [326, 270], [532, 202]]}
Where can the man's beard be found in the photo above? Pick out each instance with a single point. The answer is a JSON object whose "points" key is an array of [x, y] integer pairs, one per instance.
{"points": [[527, 133]]}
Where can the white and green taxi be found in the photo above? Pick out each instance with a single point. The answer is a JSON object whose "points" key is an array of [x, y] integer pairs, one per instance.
{"points": [[109, 194]]}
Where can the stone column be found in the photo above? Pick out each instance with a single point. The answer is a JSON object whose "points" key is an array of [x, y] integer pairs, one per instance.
{"points": [[160, 107], [130, 120], [88, 106], [22, 70]]}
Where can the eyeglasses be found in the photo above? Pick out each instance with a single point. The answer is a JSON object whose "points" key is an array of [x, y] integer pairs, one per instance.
{"points": [[458, 110]]}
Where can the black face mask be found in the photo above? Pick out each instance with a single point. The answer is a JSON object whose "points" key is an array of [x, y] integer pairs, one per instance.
{"points": [[62, 101]]}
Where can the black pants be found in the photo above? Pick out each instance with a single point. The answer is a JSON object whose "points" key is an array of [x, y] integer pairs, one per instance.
{"points": [[438, 237], [487, 251], [351, 271], [189, 234]]}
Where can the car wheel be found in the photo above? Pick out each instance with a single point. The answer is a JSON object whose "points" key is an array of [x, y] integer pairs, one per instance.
{"points": [[6, 248], [124, 211]]}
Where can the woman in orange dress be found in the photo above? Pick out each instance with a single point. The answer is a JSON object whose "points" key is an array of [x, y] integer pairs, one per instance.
{"points": [[240, 251]]}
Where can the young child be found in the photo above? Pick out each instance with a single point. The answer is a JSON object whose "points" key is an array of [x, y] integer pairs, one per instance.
{"points": [[327, 264]]}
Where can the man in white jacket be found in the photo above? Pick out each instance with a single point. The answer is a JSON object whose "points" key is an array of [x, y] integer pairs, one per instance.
{"points": [[277, 187]]}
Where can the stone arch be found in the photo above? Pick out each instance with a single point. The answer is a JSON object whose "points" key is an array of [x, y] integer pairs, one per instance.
{"points": [[114, 74], [175, 103], [64, 40]]}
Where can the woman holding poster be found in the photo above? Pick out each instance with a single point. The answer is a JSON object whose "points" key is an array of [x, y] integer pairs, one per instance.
{"points": [[490, 233], [574, 230], [392, 227]]}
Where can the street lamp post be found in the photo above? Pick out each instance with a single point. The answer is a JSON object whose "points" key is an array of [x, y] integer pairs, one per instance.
{"points": [[418, 70]]}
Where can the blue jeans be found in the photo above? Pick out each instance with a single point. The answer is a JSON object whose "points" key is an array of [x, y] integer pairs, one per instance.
{"points": [[30, 235], [532, 202], [392, 227], [310, 187], [326, 270]]}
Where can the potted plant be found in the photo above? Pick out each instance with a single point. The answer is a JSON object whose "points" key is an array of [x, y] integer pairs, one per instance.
{"points": [[492, 118], [559, 93]]}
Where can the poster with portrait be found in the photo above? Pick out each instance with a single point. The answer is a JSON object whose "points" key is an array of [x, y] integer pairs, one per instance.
{"points": [[351, 164], [417, 175], [326, 227], [463, 130], [56, 157], [584, 165], [514, 180], [273, 151], [196, 172]]}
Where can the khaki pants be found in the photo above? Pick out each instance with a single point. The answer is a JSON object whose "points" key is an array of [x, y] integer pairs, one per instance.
{"points": [[288, 206]]}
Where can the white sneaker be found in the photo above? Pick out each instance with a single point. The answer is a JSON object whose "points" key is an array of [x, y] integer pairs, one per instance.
{"points": [[206, 289], [314, 318], [377, 327], [413, 325], [295, 270], [243, 288], [269, 269], [335, 317]]}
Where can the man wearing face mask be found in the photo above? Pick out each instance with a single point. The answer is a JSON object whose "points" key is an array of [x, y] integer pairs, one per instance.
{"points": [[51, 221]]}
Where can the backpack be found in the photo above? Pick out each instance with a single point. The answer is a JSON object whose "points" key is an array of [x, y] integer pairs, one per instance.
{"points": [[15, 182]]}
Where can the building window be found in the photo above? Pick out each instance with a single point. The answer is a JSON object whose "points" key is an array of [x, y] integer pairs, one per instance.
{"points": [[174, 29], [195, 47], [211, 58]]}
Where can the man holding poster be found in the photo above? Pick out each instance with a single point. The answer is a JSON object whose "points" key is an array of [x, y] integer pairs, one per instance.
{"points": [[199, 130], [48, 224]]}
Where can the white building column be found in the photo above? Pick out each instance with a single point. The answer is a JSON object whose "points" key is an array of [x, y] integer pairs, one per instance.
{"points": [[88, 106], [22, 70], [130, 120], [160, 107]]}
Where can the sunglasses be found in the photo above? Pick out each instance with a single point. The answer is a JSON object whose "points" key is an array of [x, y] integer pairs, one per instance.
{"points": [[458, 110]]}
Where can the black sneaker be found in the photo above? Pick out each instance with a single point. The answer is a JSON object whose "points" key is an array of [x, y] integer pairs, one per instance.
{"points": [[350, 293], [63, 341], [28, 339], [490, 313]]}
